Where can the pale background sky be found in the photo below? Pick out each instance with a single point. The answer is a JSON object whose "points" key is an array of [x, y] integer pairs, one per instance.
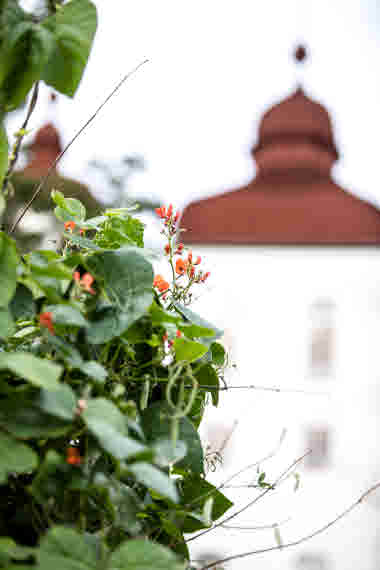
{"points": [[215, 66]]}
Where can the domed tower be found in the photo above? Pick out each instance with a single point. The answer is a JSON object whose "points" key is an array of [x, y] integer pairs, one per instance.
{"points": [[293, 198]]}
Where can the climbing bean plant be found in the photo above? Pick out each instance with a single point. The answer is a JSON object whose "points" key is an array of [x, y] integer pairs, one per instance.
{"points": [[104, 369]]}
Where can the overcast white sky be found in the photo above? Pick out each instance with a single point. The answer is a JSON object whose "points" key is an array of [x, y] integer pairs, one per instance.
{"points": [[215, 66]]}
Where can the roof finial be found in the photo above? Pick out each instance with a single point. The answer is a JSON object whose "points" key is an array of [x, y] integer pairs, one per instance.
{"points": [[300, 53]]}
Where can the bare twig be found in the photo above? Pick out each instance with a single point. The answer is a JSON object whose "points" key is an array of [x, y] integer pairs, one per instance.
{"points": [[260, 527], [20, 136], [261, 388], [300, 540], [255, 500], [246, 468], [53, 164]]}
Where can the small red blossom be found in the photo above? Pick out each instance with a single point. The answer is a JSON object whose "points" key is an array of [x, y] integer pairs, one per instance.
{"points": [[165, 337], [46, 320], [176, 217], [181, 266], [86, 282], [198, 260], [160, 283], [73, 456], [69, 226], [161, 212], [190, 257], [167, 249], [170, 211], [170, 343], [192, 271], [178, 334], [205, 276]]}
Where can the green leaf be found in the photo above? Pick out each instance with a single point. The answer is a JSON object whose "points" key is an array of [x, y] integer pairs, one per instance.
{"points": [[196, 492], [37, 371], [7, 326], [195, 331], [108, 425], [22, 305], [67, 315], [208, 378], [15, 457], [197, 320], [65, 549], [74, 212], [25, 51], [160, 316], [74, 27], [127, 276], [60, 403], [167, 453], [24, 418], [120, 231], [143, 555], [157, 426], [94, 370], [127, 279], [155, 479], [188, 350], [3, 162], [10, 550], [51, 479], [8, 267], [218, 354]]}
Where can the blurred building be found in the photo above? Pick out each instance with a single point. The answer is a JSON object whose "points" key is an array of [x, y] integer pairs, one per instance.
{"points": [[296, 266], [39, 226]]}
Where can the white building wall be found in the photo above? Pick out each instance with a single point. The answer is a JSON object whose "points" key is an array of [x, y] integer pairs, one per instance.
{"points": [[262, 297]]}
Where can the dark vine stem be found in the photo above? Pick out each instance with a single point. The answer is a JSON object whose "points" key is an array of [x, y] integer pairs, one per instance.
{"points": [[19, 138], [54, 164]]}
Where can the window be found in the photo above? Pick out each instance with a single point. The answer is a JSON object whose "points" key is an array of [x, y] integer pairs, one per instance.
{"points": [[311, 561], [318, 442], [322, 338]]}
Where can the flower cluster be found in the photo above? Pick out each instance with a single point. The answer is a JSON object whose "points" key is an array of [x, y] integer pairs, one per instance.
{"points": [[160, 283], [84, 282], [70, 226], [182, 265]]}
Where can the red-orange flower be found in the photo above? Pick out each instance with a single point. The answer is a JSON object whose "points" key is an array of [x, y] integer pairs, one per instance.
{"points": [[198, 260], [170, 211], [181, 266], [189, 257], [73, 456], [176, 216], [161, 211], [46, 320], [205, 276], [178, 334], [167, 249], [160, 283], [86, 282], [69, 226]]}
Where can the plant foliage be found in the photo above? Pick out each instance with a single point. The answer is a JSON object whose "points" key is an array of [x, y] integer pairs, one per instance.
{"points": [[104, 374]]}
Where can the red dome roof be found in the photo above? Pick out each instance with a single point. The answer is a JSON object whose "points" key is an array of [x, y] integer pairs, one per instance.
{"points": [[47, 136], [293, 199], [298, 116]]}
